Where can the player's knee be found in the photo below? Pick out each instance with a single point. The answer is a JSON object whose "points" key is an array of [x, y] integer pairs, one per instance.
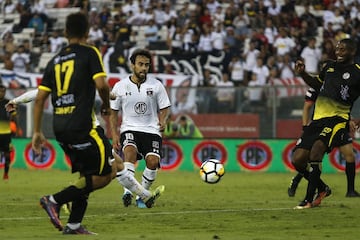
{"points": [[101, 181], [85, 183], [152, 162], [300, 166], [316, 156]]}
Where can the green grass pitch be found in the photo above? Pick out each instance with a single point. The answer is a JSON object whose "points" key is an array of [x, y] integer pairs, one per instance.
{"points": [[241, 206]]}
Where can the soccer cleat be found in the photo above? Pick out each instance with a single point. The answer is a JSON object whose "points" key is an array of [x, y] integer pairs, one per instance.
{"points": [[304, 205], [155, 195], [79, 230], [320, 196], [292, 188], [52, 211], [352, 194], [127, 198], [140, 203], [6, 176]]}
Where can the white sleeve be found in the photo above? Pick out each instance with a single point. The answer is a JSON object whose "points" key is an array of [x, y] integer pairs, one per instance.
{"points": [[115, 104], [25, 97], [163, 98]]}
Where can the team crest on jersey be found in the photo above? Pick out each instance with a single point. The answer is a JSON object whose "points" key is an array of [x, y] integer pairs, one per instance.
{"points": [[56, 60], [344, 92], [150, 92], [140, 107], [346, 76], [155, 144]]}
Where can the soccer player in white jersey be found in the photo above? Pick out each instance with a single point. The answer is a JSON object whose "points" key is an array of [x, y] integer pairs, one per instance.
{"points": [[145, 107]]}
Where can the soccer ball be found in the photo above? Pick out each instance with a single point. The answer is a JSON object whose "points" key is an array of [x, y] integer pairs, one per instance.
{"points": [[211, 171]]}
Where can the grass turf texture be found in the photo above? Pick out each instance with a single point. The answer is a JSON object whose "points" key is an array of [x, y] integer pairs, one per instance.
{"points": [[240, 206]]}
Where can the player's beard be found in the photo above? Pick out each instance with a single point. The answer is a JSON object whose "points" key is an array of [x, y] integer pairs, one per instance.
{"points": [[141, 76]]}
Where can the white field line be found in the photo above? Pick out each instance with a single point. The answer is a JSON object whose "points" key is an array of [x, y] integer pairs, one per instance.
{"points": [[156, 213]]}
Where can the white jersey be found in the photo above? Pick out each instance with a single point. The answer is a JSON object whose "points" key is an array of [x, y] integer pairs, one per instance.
{"points": [[140, 106]]}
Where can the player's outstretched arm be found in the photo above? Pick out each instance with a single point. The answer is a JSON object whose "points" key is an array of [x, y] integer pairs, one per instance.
{"points": [[311, 81], [23, 98]]}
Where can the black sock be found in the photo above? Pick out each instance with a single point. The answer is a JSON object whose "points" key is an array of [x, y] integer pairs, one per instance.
{"points": [[297, 178], [7, 163], [69, 194], [321, 186], [73, 193], [350, 176], [78, 209], [314, 181]]}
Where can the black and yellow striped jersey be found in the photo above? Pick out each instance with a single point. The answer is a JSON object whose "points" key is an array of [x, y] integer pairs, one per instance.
{"points": [[339, 90], [69, 76]]}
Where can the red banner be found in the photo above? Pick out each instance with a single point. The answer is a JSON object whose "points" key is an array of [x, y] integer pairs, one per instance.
{"points": [[288, 128], [227, 125]]}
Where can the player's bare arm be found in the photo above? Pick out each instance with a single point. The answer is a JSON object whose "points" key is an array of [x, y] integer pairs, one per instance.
{"points": [[38, 138], [113, 119], [311, 81], [163, 118], [104, 93]]}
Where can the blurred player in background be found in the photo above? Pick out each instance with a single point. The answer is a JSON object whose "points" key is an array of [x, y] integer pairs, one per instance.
{"points": [[5, 131]]}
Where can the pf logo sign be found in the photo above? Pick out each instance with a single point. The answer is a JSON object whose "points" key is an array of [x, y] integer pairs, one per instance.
{"points": [[254, 155], [338, 161]]}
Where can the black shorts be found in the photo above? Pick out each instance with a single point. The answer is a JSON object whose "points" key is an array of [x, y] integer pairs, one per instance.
{"points": [[146, 143], [334, 132], [5, 140], [89, 152]]}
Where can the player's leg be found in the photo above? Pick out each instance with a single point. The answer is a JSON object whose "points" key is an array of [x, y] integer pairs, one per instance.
{"points": [[148, 176], [5, 141], [150, 171], [6, 155], [316, 155], [348, 153], [126, 179], [130, 157], [300, 159], [74, 193], [95, 172], [151, 149]]}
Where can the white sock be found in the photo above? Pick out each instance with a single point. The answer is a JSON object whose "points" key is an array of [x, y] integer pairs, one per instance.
{"points": [[127, 180], [52, 199], [148, 177], [73, 226], [131, 169]]}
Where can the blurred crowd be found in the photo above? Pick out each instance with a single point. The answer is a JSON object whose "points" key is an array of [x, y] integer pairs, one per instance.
{"points": [[259, 40]]}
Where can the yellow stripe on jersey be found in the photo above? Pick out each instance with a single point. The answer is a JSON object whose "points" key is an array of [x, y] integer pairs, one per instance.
{"points": [[335, 130], [46, 89], [99, 75], [93, 117], [319, 79], [327, 107], [357, 65], [98, 140], [101, 61]]}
